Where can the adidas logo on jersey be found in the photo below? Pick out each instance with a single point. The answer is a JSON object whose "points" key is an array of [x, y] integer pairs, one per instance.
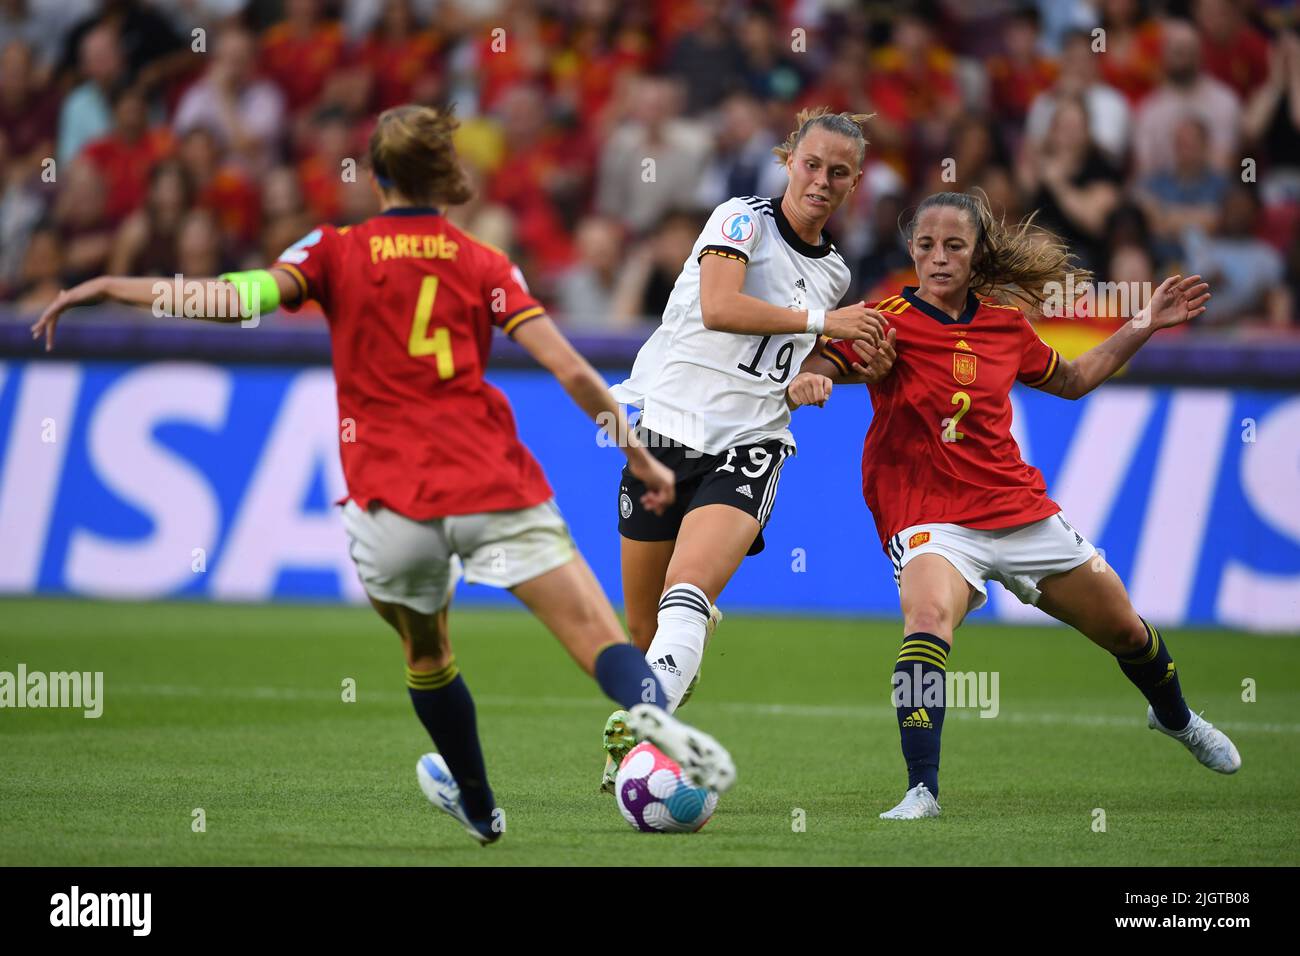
{"points": [[747, 491], [666, 663], [798, 284], [918, 718], [961, 344]]}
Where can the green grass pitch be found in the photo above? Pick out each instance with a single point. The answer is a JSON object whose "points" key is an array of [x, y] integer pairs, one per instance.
{"points": [[238, 710]]}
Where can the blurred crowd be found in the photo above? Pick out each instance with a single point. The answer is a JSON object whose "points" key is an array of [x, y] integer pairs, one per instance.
{"points": [[195, 136]]}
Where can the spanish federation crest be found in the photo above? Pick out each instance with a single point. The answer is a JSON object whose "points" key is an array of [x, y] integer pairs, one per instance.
{"points": [[963, 367]]}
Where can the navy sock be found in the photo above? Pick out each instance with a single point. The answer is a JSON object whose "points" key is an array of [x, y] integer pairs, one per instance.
{"points": [[623, 674], [1152, 671], [444, 705], [919, 679]]}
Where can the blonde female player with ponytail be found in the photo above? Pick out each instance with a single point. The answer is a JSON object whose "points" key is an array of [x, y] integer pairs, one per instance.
{"points": [[759, 290], [433, 465], [953, 502]]}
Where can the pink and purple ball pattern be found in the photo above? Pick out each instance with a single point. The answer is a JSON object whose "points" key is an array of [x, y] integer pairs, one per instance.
{"points": [[656, 797]]}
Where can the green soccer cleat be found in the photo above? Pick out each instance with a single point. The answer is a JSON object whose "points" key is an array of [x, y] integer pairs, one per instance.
{"points": [[715, 618], [618, 740]]}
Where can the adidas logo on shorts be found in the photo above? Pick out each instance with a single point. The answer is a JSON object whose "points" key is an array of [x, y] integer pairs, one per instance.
{"points": [[746, 491]]}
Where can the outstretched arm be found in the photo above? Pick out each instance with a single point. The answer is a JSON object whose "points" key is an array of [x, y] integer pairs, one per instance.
{"points": [[217, 300], [1177, 300]]}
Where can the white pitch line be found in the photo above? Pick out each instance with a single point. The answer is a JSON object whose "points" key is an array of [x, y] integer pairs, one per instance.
{"points": [[813, 711]]}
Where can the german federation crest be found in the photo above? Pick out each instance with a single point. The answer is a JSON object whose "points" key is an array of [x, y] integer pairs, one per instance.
{"points": [[963, 368]]}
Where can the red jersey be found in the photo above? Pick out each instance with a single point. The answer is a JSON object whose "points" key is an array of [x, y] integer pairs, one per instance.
{"points": [[411, 302], [939, 449]]}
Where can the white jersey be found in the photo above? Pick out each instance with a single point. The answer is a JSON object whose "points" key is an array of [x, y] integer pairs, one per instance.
{"points": [[713, 390]]}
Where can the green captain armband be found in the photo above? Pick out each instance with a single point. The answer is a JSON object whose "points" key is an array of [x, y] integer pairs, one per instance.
{"points": [[258, 292]]}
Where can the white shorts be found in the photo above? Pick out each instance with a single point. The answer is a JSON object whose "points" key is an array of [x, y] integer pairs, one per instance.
{"points": [[414, 563], [1017, 557]]}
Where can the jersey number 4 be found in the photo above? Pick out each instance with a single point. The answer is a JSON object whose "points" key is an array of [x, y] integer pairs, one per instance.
{"points": [[421, 342], [783, 357]]}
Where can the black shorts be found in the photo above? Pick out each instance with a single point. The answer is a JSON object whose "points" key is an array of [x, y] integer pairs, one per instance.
{"points": [[744, 477]]}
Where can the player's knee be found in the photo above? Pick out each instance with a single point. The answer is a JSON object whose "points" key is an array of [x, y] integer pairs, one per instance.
{"points": [[1128, 637], [928, 617]]}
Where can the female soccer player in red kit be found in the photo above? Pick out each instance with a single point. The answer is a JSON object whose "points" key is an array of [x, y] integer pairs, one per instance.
{"points": [[953, 502], [433, 464]]}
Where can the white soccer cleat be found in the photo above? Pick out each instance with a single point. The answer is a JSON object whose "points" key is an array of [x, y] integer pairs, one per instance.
{"points": [[916, 803], [1207, 743], [444, 793], [703, 760]]}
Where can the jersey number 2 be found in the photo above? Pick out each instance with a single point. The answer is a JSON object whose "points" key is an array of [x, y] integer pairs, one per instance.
{"points": [[421, 342], [950, 432]]}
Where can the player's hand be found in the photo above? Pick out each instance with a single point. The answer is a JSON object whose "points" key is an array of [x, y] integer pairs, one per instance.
{"points": [[1177, 300], [658, 478], [808, 388], [87, 292], [876, 360], [855, 322]]}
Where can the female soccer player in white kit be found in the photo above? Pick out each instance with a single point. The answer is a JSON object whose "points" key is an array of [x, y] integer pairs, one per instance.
{"points": [[759, 289]]}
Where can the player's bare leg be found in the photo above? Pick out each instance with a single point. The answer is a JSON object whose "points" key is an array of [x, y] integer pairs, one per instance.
{"points": [[1092, 599], [934, 598], [645, 566], [570, 602]]}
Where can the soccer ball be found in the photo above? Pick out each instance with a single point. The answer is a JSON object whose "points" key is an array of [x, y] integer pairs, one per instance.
{"points": [[656, 797]]}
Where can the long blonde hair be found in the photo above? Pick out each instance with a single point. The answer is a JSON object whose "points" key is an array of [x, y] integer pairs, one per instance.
{"points": [[1019, 261]]}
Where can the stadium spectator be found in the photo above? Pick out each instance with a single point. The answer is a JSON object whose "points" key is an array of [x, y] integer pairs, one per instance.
{"points": [[480, 216], [126, 155], [1271, 123], [221, 187], [767, 68], [284, 213], [1186, 195], [198, 247], [84, 233], [707, 58], [1108, 113], [27, 111], [246, 115], [1131, 63], [543, 177], [42, 278], [20, 210], [886, 253], [87, 112], [1231, 49], [653, 159], [586, 291], [43, 26], [400, 55], [1245, 272], [742, 164], [153, 52], [913, 87], [654, 266], [301, 53], [146, 242], [1071, 181], [1019, 72], [1186, 88], [320, 173]]}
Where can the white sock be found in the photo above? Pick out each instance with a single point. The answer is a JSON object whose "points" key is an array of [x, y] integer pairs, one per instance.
{"points": [[678, 647]]}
